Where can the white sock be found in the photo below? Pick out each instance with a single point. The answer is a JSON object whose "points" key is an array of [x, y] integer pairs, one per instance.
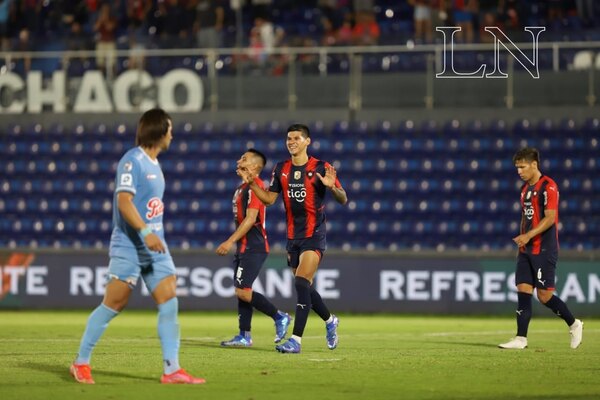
{"points": [[297, 339], [330, 320]]}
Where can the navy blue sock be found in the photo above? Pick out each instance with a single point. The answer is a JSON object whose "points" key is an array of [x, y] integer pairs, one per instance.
{"points": [[244, 315], [303, 305], [318, 305], [262, 304], [523, 313], [559, 308]]}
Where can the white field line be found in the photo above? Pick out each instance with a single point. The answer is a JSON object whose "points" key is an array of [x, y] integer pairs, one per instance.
{"points": [[319, 337], [502, 332]]}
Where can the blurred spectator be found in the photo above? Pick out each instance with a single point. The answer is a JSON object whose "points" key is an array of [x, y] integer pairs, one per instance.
{"points": [[329, 10], [334, 10], [309, 62], [463, 14], [174, 30], [29, 12], [6, 9], [555, 11], [344, 34], [366, 31], [210, 15], [180, 23], [137, 12], [264, 37], [586, 11], [329, 37], [422, 19], [510, 18], [24, 44], [73, 11], [262, 9], [257, 53], [269, 36], [77, 40], [106, 45], [137, 15], [363, 5], [489, 11]]}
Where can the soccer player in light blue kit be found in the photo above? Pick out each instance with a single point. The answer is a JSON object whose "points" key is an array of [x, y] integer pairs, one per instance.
{"points": [[138, 248]]}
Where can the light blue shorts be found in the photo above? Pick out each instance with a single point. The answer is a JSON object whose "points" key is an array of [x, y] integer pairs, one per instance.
{"points": [[129, 271]]}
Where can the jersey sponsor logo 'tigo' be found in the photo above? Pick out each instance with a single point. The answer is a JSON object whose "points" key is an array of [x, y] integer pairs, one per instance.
{"points": [[297, 191]]}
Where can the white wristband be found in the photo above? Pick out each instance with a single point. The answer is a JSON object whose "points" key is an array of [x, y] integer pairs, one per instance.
{"points": [[145, 232]]}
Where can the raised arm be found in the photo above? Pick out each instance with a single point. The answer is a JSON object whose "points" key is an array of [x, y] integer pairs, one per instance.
{"points": [[329, 180], [265, 196]]}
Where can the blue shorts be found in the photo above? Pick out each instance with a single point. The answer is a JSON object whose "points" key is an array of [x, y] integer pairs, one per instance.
{"points": [[246, 267], [537, 270], [295, 247], [129, 272]]}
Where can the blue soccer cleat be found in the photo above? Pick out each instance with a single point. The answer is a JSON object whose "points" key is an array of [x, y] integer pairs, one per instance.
{"points": [[281, 326], [238, 341], [332, 337], [291, 346]]}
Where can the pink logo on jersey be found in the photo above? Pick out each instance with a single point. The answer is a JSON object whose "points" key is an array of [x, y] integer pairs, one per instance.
{"points": [[155, 208]]}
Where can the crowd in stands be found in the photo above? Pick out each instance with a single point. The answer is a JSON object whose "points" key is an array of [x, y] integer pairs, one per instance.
{"points": [[138, 24]]}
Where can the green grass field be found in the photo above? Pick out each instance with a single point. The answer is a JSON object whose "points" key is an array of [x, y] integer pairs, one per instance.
{"points": [[379, 357]]}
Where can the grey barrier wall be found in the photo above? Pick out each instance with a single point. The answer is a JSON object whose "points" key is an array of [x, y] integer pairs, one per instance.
{"points": [[348, 282]]}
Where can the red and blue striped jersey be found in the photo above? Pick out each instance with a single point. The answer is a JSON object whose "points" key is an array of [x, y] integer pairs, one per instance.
{"points": [[303, 196], [534, 200], [255, 240]]}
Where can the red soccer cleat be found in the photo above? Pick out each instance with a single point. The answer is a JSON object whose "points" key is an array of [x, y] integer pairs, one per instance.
{"points": [[181, 376], [82, 373]]}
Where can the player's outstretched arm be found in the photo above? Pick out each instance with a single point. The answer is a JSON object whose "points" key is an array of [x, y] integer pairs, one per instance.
{"points": [[133, 218], [265, 196], [339, 194]]}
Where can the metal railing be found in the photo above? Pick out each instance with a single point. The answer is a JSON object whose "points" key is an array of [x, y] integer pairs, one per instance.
{"points": [[211, 65]]}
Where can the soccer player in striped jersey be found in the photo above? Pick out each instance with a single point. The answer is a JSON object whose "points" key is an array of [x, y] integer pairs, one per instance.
{"points": [[252, 249], [303, 181], [538, 249], [138, 248]]}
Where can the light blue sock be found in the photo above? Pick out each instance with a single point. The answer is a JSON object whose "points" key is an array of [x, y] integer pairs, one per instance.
{"points": [[96, 325], [168, 332]]}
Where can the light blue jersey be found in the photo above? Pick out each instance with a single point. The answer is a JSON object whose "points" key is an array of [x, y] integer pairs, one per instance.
{"points": [[138, 174]]}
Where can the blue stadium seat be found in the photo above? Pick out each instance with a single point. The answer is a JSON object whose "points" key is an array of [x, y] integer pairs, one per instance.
{"points": [[411, 185]]}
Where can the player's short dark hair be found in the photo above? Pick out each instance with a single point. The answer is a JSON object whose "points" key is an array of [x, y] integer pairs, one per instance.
{"points": [[152, 126], [528, 154], [260, 155], [301, 128]]}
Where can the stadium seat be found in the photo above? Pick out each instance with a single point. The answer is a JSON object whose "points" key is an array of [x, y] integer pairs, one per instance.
{"points": [[411, 185]]}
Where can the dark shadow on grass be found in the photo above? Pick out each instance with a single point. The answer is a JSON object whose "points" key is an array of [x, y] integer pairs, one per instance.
{"points": [[62, 371], [216, 345], [489, 345], [101, 372]]}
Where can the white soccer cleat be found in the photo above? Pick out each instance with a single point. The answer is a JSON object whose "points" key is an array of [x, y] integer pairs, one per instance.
{"points": [[576, 331], [519, 342]]}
